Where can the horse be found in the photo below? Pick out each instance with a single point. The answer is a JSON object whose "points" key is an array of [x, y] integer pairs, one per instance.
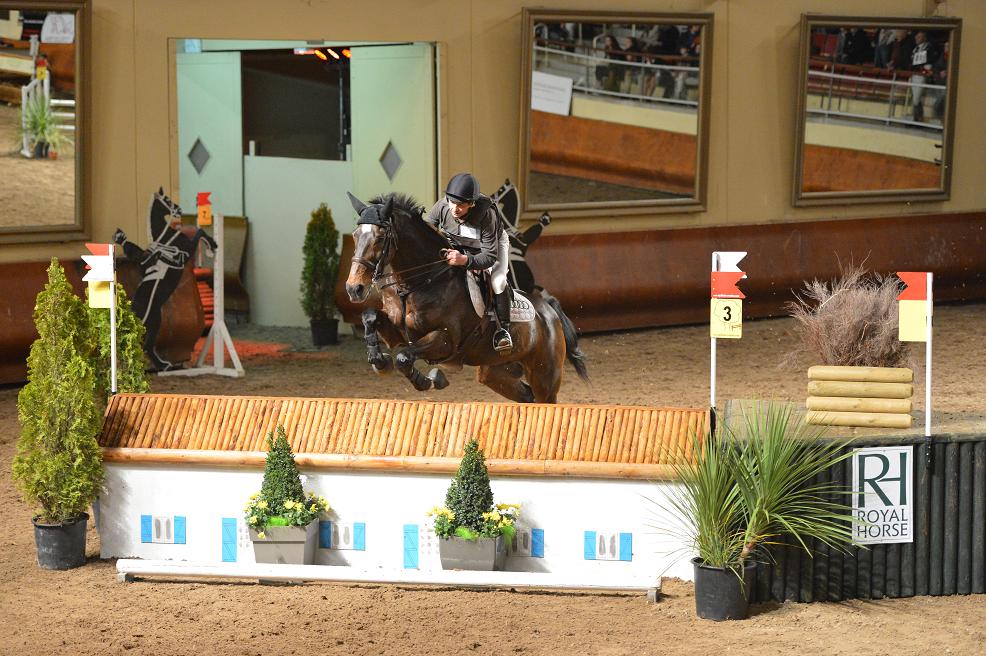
{"points": [[428, 314], [161, 267]]}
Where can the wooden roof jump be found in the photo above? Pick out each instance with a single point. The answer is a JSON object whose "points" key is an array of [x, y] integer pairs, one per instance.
{"points": [[602, 441]]}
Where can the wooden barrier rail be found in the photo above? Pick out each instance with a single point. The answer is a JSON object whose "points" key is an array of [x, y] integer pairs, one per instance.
{"points": [[374, 435]]}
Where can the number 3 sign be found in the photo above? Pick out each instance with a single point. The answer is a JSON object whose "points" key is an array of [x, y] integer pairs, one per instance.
{"points": [[726, 318]]}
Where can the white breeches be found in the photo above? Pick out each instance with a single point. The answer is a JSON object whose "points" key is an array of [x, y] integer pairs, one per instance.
{"points": [[498, 272]]}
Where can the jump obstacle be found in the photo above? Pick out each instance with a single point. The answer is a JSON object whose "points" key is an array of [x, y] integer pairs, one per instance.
{"points": [[583, 475]]}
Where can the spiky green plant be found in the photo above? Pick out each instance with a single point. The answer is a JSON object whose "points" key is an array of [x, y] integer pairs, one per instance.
{"points": [[131, 374], [469, 495], [318, 277], [744, 489], [58, 464]]}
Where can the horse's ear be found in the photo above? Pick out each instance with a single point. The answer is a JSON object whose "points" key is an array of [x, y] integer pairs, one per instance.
{"points": [[358, 205], [388, 206], [160, 191]]}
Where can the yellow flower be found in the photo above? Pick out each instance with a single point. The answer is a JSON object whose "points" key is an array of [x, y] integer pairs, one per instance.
{"points": [[312, 508], [261, 535], [288, 504], [253, 519], [255, 495], [262, 504]]}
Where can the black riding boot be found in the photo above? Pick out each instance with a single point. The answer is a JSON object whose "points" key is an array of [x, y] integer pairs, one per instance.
{"points": [[501, 338]]}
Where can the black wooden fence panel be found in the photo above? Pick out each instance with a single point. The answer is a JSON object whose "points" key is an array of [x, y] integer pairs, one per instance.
{"points": [[947, 556]]}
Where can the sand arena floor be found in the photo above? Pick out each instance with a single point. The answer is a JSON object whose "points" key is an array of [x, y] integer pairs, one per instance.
{"points": [[85, 611]]}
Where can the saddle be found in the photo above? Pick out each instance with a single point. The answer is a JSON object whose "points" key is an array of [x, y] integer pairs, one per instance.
{"points": [[481, 295]]}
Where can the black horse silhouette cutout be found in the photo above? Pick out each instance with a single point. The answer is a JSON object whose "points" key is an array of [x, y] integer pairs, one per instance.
{"points": [[507, 200], [161, 266], [427, 312]]}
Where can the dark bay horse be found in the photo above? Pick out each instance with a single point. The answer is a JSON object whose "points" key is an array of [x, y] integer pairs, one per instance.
{"points": [[427, 312]]}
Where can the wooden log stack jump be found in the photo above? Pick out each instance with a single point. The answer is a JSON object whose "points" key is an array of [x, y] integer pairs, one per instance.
{"points": [[870, 397]]}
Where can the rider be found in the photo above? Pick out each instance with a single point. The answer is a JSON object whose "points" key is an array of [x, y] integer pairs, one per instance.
{"points": [[471, 218]]}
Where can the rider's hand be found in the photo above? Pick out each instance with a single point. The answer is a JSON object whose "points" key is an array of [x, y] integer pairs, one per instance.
{"points": [[455, 258]]}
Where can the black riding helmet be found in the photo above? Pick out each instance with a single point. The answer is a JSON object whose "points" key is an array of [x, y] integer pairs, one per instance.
{"points": [[463, 187]]}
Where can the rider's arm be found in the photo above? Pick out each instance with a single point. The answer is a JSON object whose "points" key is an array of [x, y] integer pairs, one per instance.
{"points": [[489, 238]]}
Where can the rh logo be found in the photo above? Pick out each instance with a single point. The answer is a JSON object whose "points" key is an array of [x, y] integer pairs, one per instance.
{"points": [[882, 493]]}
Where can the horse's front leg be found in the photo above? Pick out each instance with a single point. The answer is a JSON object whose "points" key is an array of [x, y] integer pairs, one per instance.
{"points": [[376, 322], [436, 345]]}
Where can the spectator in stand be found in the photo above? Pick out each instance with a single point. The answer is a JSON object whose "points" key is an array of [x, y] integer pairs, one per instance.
{"points": [[634, 53], [884, 44], [858, 48], [607, 75], [900, 51], [689, 44], [923, 56]]}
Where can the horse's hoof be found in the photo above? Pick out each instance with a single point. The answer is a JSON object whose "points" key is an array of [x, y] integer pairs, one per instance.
{"points": [[383, 365], [438, 378]]}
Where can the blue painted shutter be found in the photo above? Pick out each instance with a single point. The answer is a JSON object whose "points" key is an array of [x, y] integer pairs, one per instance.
{"points": [[626, 546], [325, 534], [537, 543], [410, 546], [359, 536], [179, 529], [146, 532], [229, 539], [590, 545]]}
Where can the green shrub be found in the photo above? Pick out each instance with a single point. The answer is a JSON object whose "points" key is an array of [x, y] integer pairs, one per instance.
{"points": [[131, 374], [469, 512], [281, 500], [318, 277], [58, 464]]}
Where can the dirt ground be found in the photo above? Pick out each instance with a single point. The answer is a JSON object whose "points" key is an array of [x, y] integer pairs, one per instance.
{"points": [[84, 611], [34, 192]]}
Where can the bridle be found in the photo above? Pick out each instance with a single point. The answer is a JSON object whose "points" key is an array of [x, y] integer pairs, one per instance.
{"points": [[382, 280]]}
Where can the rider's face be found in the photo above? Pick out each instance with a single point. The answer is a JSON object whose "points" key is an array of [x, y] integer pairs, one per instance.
{"points": [[458, 209]]}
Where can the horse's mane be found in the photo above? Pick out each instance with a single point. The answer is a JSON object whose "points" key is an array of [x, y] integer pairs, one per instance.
{"points": [[404, 202]]}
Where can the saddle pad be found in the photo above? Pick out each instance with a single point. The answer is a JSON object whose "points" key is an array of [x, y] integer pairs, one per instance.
{"points": [[521, 309]]}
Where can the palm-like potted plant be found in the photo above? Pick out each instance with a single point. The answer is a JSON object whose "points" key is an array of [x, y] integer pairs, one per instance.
{"points": [[472, 531], [58, 465], [283, 520], [318, 278], [746, 487], [42, 126]]}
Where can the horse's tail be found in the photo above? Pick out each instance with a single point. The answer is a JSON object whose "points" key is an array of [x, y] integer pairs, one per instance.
{"points": [[575, 355]]}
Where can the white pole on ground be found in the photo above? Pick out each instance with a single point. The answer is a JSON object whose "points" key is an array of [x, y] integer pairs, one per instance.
{"points": [[218, 335], [927, 360], [113, 322], [712, 357]]}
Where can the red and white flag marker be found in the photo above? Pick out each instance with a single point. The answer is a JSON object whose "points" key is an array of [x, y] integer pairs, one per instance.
{"points": [[914, 317], [102, 292], [726, 309]]}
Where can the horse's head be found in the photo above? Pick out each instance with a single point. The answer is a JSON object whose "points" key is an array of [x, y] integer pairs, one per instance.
{"points": [[164, 214], [375, 240]]}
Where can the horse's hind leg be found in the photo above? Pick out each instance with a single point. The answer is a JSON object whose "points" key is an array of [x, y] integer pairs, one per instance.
{"points": [[501, 379]]}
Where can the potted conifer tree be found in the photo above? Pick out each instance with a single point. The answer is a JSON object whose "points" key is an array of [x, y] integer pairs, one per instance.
{"points": [[318, 278], [283, 521], [473, 532], [58, 465]]}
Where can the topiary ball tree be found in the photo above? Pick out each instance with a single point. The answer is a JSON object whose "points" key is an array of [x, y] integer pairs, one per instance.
{"points": [[470, 495], [282, 481]]}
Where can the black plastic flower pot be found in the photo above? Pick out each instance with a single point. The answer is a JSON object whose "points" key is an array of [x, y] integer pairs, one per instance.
{"points": [[325, 332], [61, 546], [41, 150], [719, 592]]}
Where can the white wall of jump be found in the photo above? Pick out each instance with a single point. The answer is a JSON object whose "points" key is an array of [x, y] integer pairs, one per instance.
{"points": [[584, 528]]}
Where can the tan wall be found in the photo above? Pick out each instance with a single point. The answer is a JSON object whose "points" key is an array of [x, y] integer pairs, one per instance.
{"points": [[752, 110]]}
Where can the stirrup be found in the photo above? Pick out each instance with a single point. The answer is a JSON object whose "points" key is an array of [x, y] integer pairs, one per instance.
{"points": [[502, 341]]}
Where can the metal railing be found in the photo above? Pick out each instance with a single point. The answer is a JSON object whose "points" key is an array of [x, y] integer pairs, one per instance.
{"points": [[582, 68], [839, 87]]}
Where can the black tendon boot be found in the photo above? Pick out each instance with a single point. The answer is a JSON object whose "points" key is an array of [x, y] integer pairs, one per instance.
{"points": [[501, 338]]}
